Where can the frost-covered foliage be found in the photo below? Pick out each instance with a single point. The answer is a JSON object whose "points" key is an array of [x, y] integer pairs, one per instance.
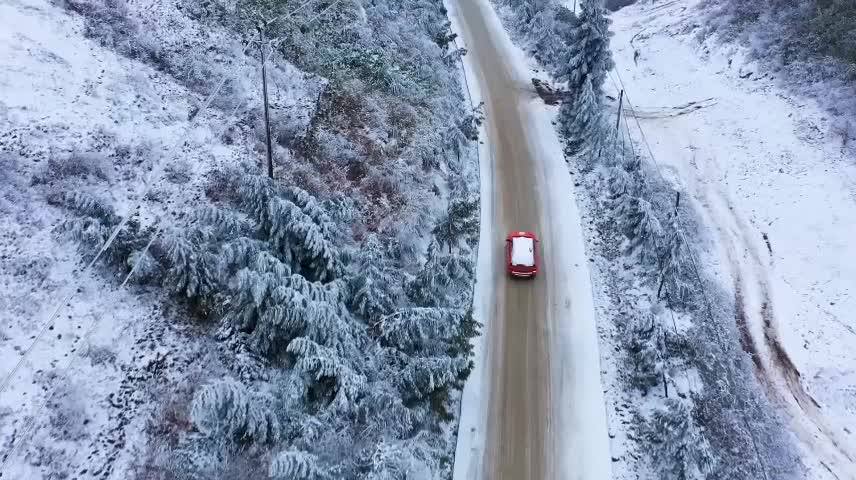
{"points": [[378, 288], [461, 222], [644, 351], [679, 450], [93, 222], [228, 411], [441, 279], [811, 44], [589, 58], [644, 230], [338, 293]]}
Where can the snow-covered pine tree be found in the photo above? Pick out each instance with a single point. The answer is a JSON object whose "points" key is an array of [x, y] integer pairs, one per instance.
{"points": [[85, 205], [424, 331], [147, 268], [312, 208], [619, 182], [224, 222], [273, 306], [442, 278], [228, 409], [460, 222], [398, 460], [580, 118], [192, 267], [424, 375], [678, 448], [251, 290], [525, 10], [300, 240], [547, 31], [239, 253], [296, 464], [588, 56], [676, 270], [95, 222], [255, 192], [642, 351], [604, 146], [383, 403], [641, 226], [323, 364], [375, 284]]}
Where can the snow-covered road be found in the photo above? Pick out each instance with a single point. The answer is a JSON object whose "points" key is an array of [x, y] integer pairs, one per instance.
{"points": [[534, 407]]}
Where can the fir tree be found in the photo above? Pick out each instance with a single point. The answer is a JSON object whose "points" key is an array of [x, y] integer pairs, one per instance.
{"points": [[300, 240], [385, 404], [375, 284], [642, 351], [324, 363], [588, 57], [421, 330], [441, 279], [193, 269], [227, 408], [460, 222], [678, 449], [641, 226], [296, 465], [676, 270], [425, 375], [581, 117], [85, 205]]}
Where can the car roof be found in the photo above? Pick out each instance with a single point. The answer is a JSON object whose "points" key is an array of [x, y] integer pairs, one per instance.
{"points": [[523, 251]]}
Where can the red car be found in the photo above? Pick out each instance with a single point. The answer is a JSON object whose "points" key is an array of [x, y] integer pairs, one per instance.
{"points": [[521, 254]]}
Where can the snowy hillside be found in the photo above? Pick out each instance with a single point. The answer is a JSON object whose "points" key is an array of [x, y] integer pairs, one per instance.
{"points": [[718, 227], [775, 186], [233, 326]]}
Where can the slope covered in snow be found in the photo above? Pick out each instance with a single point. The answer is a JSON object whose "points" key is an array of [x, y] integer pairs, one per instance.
{"points": [[317, 322], [775, 189]]}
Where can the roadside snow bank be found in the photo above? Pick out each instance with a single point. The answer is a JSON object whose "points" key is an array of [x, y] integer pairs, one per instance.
{"points": [[472, 422]]}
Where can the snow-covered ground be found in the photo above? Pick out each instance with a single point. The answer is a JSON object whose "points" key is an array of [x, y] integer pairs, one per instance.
{"points": [[76, 384], [776, 192]]}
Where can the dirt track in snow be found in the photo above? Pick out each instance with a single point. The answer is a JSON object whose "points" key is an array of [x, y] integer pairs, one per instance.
{"points": [[759, 337]]}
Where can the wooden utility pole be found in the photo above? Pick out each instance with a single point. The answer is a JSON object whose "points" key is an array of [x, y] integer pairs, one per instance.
{"points": [[620, 103], [265, 93]]}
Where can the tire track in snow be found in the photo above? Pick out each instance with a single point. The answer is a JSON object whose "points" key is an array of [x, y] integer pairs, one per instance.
{"points": [[755, 310], [759, 337]]}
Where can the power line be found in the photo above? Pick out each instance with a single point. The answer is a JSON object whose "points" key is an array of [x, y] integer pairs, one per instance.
{"points": [[124, 220], [693, 261], [74, 356]]}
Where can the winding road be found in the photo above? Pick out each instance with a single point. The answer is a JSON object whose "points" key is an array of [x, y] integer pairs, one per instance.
{"points": [[540, 373]]}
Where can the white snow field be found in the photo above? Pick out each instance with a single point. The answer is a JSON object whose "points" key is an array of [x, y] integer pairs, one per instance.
{"points": [[577, 444], [776, 192]]}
